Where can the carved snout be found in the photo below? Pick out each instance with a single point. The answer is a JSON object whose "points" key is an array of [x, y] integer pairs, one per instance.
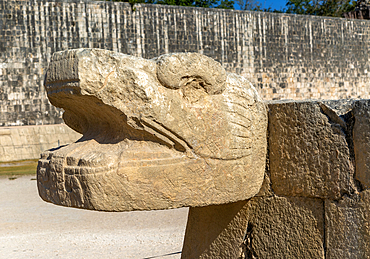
{"points": [[180, 69]]}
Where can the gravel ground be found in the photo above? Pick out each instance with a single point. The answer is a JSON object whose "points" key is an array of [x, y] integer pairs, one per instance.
{"points": [[32, 228]]}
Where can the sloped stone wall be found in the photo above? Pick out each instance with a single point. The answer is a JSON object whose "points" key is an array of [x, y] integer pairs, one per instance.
{"points": [[28, 142], [284, 56]]}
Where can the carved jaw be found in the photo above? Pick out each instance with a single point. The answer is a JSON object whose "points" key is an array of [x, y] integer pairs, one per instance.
{"points": [[157, 134], [79, 174]]}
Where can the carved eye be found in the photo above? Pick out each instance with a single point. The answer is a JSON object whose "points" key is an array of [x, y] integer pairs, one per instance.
{"points": [[180, 70]]}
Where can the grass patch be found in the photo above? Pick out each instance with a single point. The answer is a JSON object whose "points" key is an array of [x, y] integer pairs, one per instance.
{"points": [[25, 167]]}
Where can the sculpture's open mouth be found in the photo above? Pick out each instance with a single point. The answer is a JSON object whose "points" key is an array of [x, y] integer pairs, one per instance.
{"points": [[91, 157]]}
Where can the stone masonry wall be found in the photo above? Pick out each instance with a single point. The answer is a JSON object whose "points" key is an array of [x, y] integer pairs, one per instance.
{"points": [[315, 201], [284, 56]]}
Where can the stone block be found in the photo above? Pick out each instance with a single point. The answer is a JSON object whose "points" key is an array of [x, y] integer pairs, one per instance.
{"points": [[308, 151], [49, 130], [7, 153], [280, 227], [37, 130], [361, 141], [6, 140], [46, 138], [4, 132], [32, 151], [18, 140], [62, 129], [32, 139], [10, 151], [215, 231], [2, 153], [23, 131], [347, 224]]}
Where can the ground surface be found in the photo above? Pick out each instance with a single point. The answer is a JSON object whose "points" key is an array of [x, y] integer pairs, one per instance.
{"points": [[32, 228], [18, 167]]}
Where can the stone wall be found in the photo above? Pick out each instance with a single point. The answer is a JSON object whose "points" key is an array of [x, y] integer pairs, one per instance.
{"points": [[284, 56], [28, 142], [315, 201]]}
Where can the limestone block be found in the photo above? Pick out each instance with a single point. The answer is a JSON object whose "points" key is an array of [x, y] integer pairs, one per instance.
{"points": [[308, 151], [6, 140], [61, 130], [18, 140], [46, 146], [215, 231], [32, 139], [23, 131], [67, 138], [46, 138], [20, 151], [9, 150], [280, 227], [25, 151], [30, 151], [361, 141], [4, 132], [49, 130], [164, 133], [2, 152], [347, 227], [37, 130]]}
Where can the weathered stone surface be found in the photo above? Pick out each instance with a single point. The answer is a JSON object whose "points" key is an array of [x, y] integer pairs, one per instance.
{"points": [[27, 142], [294, 58], [361, 141], [280, 227], [308, 151], [215, 231], [347, 227], [266, 190], [194, 141]]}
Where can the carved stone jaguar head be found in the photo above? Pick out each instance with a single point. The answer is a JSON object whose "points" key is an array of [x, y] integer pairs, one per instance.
{"points": [[163, 133]]}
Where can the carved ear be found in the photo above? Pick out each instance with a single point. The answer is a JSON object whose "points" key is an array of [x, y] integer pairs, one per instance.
{"points": [[180, 69]]}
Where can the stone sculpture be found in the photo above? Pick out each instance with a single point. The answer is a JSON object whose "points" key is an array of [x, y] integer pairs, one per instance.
{"points": [[163, 133]]}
